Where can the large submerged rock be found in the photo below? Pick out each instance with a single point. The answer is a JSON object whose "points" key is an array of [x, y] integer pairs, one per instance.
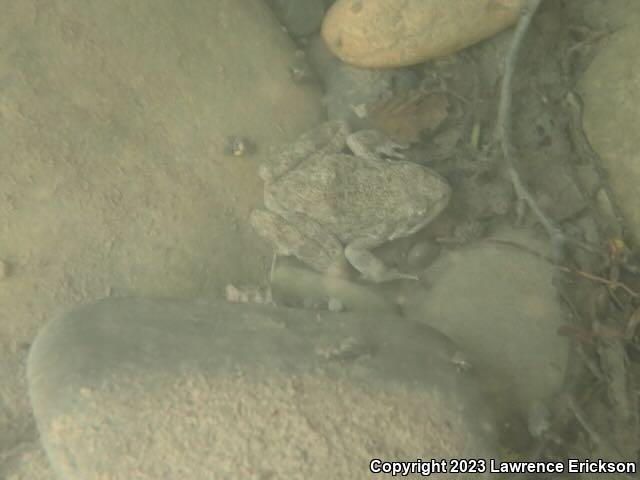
{"points": [[136, 388], [498, 302]]}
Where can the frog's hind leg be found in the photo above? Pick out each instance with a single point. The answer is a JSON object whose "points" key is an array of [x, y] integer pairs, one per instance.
{"points": [[301, 237], [371, 267]]}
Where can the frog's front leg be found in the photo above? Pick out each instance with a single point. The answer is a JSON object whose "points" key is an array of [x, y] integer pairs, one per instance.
{"points": [[374, 144], [302, 237], [358, 252]]}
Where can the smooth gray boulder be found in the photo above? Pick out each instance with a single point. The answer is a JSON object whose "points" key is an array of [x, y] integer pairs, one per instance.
{"points": [[151, 389], [497, 301]]}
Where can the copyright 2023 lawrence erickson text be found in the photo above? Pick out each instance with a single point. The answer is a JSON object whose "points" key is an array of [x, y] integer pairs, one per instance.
{"points": [[479, 466]]}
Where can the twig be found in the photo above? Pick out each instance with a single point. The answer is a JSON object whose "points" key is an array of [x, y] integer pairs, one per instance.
{"points": [[503, 124], [605, 446], [611, 284], [596, 278]]}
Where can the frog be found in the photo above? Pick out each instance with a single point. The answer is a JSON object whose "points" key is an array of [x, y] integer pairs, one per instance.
{"points": [[332, 196]]}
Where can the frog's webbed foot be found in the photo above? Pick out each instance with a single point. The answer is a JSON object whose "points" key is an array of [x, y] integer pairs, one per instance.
{"points": [[371, 267], [391, 149], [299, 236], [374, 144]]}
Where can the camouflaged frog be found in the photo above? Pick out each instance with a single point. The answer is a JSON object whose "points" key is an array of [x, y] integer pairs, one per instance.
{"points": [[324, 205]]}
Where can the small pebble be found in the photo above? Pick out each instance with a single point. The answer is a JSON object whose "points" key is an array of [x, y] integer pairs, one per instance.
{"points": [[234, 295], [335, 305], [422, 254], [249, 294], [239, 146], [539, 419]]}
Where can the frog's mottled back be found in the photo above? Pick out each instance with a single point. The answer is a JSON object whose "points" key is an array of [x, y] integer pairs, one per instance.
{"points": [[354, 196]]}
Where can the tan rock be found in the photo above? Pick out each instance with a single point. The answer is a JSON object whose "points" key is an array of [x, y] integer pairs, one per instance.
{"points": [[137, 120], [392, 33], [114, 118]]}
